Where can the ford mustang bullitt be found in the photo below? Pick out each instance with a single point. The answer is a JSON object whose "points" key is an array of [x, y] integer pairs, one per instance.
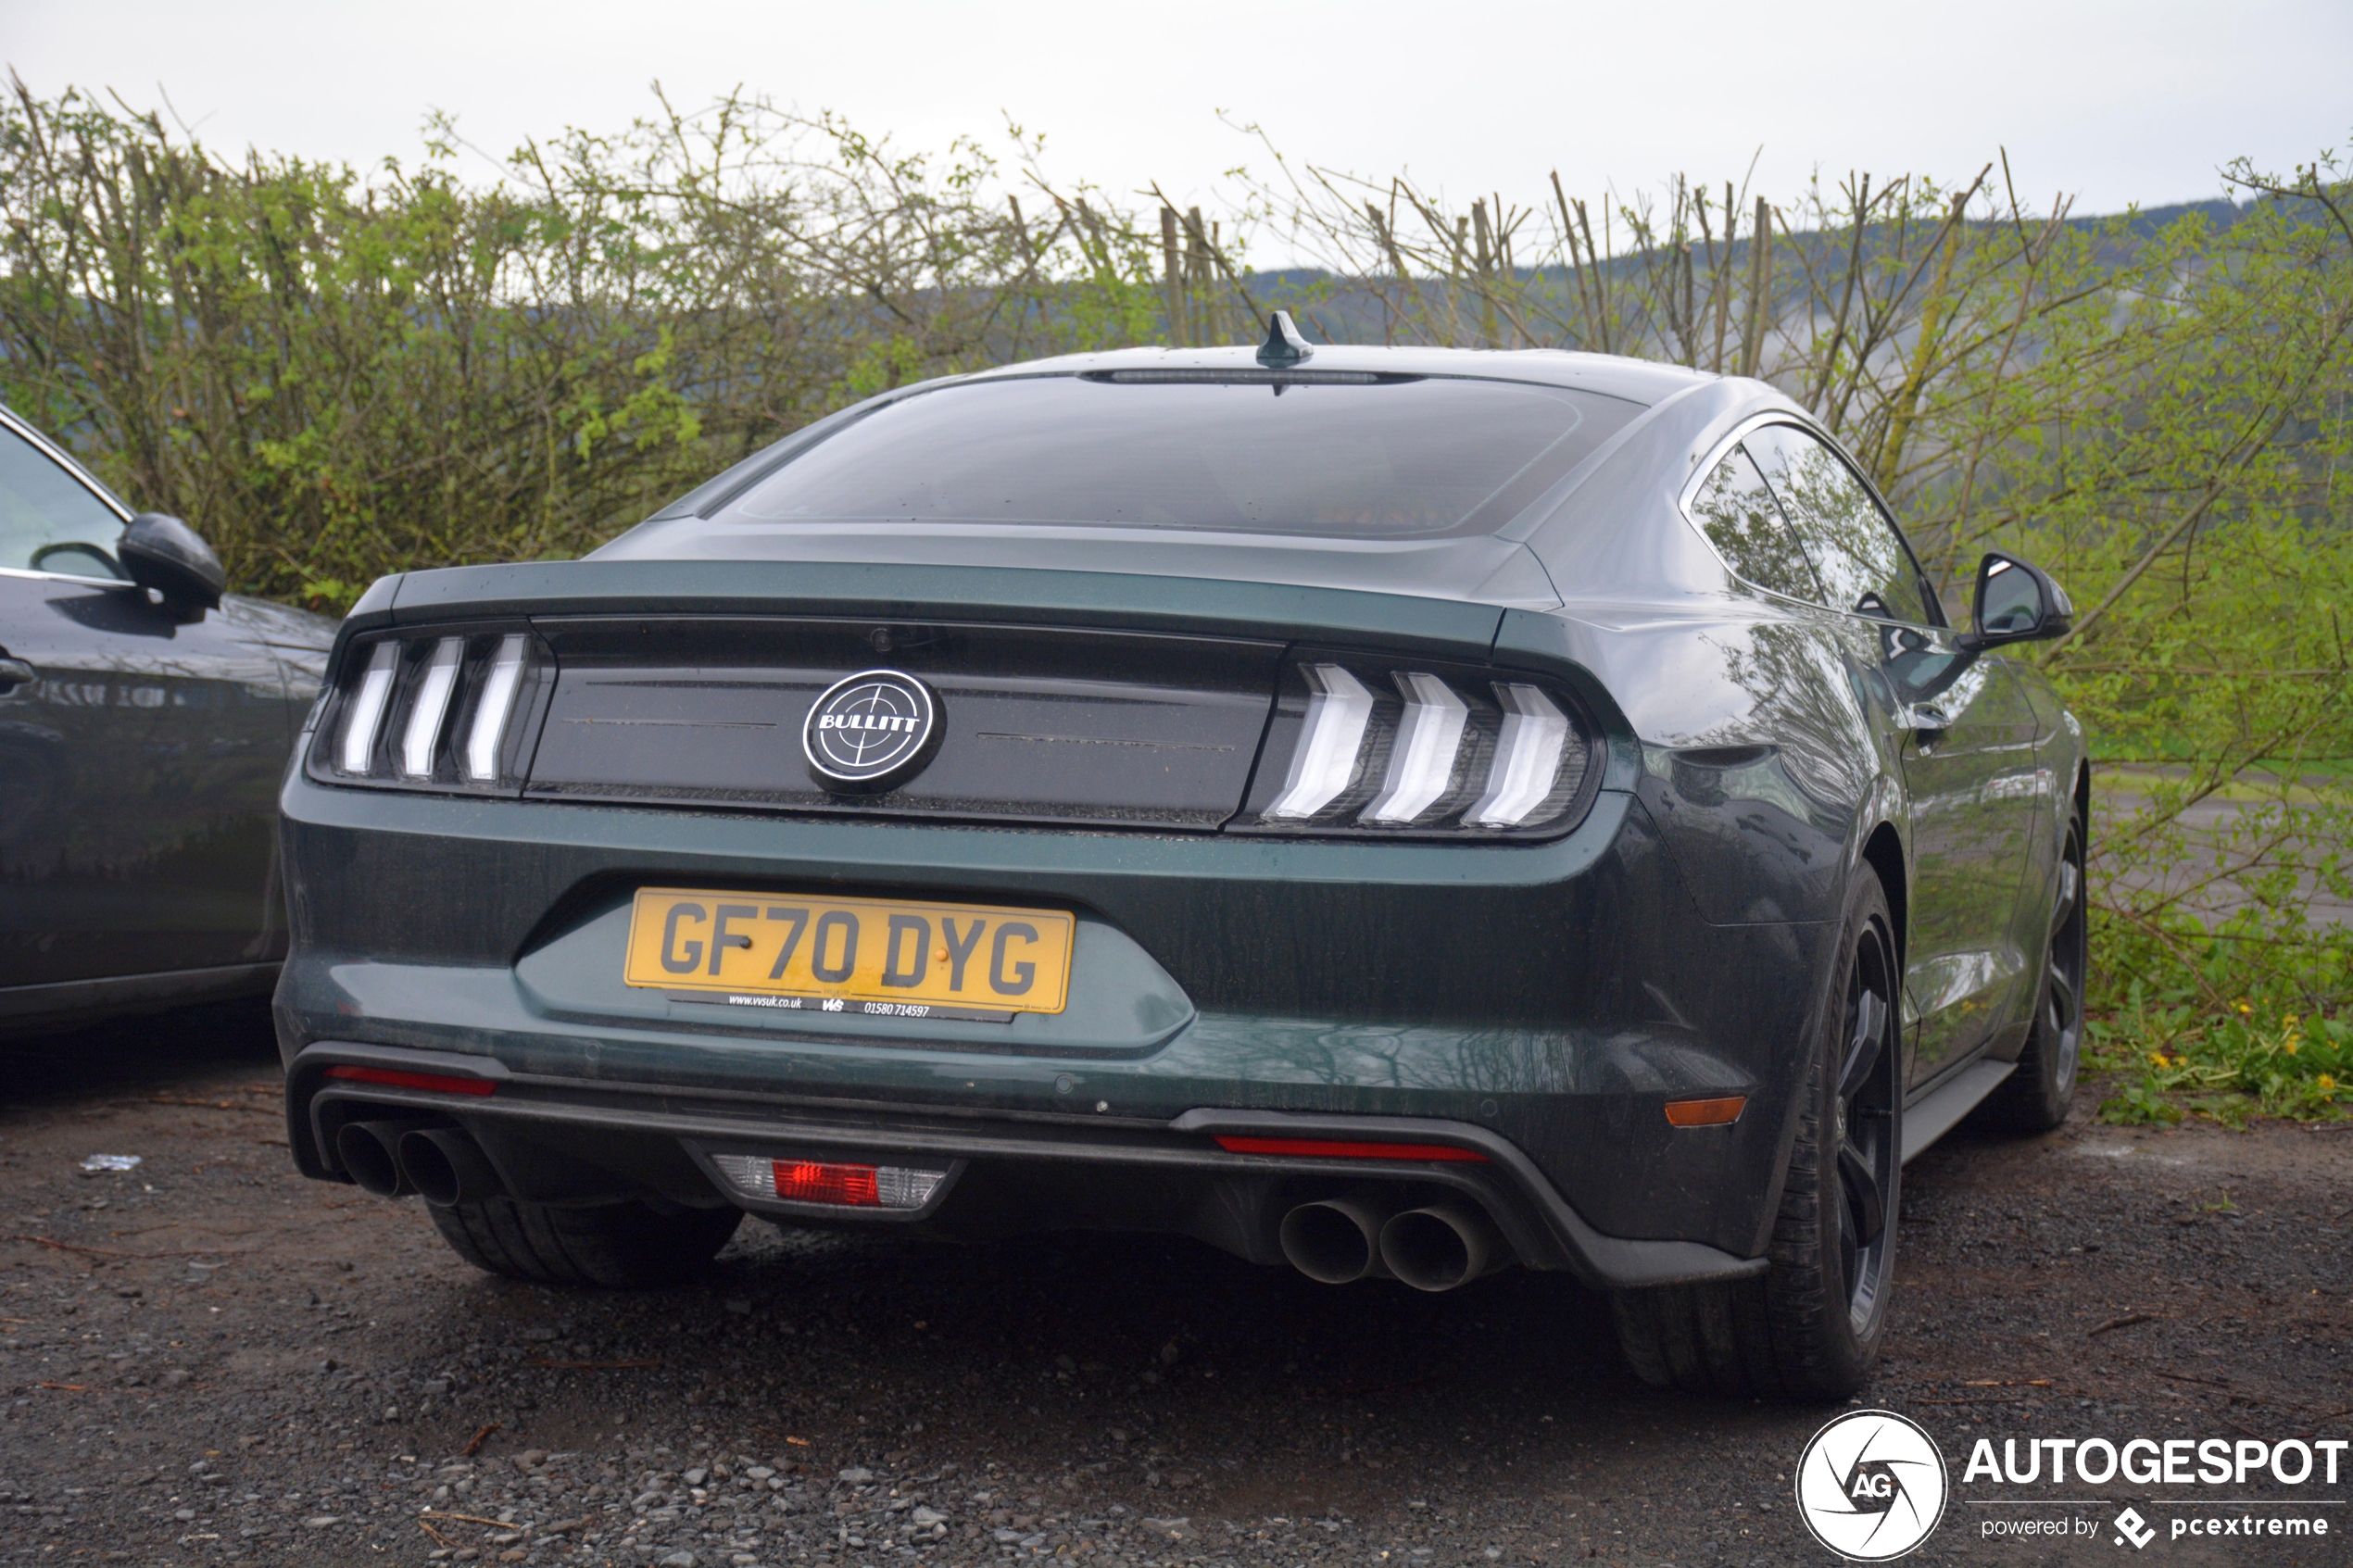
{"points": [[1394, 813]]}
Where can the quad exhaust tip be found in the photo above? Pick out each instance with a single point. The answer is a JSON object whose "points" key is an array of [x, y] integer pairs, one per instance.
{"points": [[1334, 1240], [1440, 1246], [394, 1159], [446, 1167], [369, 1150], [1436, 1246]]}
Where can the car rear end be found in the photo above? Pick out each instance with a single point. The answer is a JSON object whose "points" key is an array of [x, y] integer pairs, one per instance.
{"points": [[1319, 924]]}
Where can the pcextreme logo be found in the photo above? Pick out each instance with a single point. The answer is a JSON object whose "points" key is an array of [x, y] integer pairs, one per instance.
{"points": [[1871, 1485]]}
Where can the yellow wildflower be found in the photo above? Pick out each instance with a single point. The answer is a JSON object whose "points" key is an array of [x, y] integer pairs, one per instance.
{"points": [[2156, 1059], [2326, 1083], [2288, 1045]]}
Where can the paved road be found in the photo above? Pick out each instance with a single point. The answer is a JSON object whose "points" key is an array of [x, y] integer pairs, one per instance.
{"points": [[2211, 827], [211, 1361]]}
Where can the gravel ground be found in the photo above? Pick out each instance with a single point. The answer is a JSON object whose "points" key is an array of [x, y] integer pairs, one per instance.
{"points": [[208, 1358]]}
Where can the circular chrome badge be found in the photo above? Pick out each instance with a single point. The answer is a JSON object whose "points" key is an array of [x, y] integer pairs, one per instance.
{"points": [[871, 732]]}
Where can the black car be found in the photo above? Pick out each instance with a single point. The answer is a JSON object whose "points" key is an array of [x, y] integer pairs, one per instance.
{"points": [[145, 725], [1397, 813]]}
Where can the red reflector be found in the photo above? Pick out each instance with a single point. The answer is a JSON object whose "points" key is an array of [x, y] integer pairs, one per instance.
{"points": [[807, 1181], [1717, 1112], [1328, 1149], [438, 1083]]}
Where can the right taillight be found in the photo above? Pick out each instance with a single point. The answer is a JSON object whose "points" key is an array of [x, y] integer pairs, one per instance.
{"points": [[1359, 747]]}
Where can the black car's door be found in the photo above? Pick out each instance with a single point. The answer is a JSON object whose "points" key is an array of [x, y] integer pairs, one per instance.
{"points": [[139, 754], [1966, 751]]}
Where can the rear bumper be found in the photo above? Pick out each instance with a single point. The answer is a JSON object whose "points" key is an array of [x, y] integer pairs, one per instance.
{"points": [[1541, 1000], [1006, 1171]]}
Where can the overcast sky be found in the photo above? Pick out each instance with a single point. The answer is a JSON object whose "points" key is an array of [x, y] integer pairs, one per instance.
{"points": [[2115, 102]]}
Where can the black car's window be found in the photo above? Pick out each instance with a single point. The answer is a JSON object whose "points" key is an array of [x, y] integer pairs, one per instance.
{"points": [[1736, 512], [1376, 457], [49, 521], [1856, 551]]}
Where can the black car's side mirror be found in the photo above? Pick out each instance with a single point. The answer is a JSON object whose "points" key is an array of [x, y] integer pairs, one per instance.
{"points": [[167, 556], [2017, 602]]}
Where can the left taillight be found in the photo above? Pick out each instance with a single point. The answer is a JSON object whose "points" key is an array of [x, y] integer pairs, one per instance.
{"points": [[454, 709]]}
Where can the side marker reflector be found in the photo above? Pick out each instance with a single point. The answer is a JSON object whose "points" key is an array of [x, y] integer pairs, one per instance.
{"points": [[1721, 1112], [1327, 1149], [436, 1083]]}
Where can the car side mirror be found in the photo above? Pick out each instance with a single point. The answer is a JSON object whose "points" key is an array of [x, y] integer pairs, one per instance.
{"points": [[167, 556], [2017, 602]]}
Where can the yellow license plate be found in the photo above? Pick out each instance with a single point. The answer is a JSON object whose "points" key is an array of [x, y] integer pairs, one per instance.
{"points": [[874, 956]]}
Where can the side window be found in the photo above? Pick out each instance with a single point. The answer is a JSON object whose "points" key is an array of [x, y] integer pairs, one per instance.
{"points": [[1860, 557], [49, 521], [1736, 512]]}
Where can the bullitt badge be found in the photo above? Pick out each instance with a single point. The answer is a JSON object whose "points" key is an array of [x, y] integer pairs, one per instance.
{"points": [[871, 733]]}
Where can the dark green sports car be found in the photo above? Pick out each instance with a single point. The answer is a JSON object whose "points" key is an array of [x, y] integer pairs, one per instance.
{"points": [[1399, 813]]}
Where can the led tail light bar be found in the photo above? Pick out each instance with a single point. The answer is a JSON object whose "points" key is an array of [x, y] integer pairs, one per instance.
{"points": [[365, 714], [431, 707], [1339, 711], [491, 713], [840, 1185], [1528, 758], [1422, 764]]}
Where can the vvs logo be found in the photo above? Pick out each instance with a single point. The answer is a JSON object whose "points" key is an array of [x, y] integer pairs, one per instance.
{"points": [[1871, 1485]]}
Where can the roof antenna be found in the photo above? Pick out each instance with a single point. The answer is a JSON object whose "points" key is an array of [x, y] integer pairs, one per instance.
{"points": [[1284, 345]]}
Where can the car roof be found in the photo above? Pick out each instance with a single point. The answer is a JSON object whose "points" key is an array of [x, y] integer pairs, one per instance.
{"points": [[1635, 380]]}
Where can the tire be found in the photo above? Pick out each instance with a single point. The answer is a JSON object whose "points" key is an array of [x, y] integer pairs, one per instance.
{"points": [[1810, 1326], [618, 1244], [2035, 1098]]}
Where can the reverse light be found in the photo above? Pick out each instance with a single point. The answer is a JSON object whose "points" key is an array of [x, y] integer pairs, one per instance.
{"points": [[490, 714], [434, 1082], [1339, 710], [365, 715], [839, 1184], [1338, 1148], [431, 707]]}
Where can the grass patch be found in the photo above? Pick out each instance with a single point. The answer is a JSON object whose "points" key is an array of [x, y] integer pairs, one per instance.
{"points": [[2166, 1060]]}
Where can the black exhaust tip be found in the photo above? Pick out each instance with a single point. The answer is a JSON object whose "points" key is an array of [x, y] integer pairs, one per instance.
{"points": [[446, 1167], [1441, 1247], [1333, 1241], [366, 1150]]}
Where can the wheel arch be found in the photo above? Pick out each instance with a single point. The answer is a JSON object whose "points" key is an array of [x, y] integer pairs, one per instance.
{"points": [[1884, 852]]}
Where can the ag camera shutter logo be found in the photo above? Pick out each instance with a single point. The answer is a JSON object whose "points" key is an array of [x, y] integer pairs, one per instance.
{"points": [[1871, 1485], [871, 732]]}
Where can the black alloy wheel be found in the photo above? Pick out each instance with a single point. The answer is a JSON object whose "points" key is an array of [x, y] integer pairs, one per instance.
{"points": [[1869, 1158], [2035, 1098]]}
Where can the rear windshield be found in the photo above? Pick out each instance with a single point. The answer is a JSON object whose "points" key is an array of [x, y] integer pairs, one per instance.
{"points": [[1372, 457]]}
